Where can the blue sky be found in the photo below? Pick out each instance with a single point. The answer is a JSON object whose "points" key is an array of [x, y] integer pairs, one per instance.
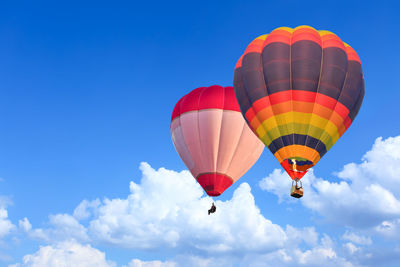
{"points": [[86, 93]]}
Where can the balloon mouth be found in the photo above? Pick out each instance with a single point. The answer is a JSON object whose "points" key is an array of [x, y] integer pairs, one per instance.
{"points": [[213, 193], [213, 183], [296, 168]]}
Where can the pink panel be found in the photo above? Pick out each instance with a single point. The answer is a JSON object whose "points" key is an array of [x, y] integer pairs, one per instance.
{"points": [[231, 130], [210, 121], [247, 153], [224, 143], [180, 144], [190, 130]]}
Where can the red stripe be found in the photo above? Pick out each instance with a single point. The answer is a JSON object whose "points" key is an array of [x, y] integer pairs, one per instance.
{"points": [[213, 97], [255, 46], [306, 34], [177, 110], [298, 95], [292, 174], [278, 36], [230, 101], [331, 40], [347, 122]]}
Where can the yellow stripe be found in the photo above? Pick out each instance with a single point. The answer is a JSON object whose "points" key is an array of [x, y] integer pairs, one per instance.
{"points": [[346, 45], [304, 129], [262, 37], [267, 130], [304, 27], [288, 29], [323, 32]]}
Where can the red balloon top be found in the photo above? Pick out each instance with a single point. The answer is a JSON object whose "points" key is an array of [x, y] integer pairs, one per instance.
{"points": [[213, 97]]}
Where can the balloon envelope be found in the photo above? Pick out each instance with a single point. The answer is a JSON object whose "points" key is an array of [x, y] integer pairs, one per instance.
{"points": [[299, 90], [212, 138]]}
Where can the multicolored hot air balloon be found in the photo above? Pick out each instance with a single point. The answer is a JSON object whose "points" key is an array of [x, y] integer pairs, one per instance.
{"points": [[299, 90], [212, 138]]}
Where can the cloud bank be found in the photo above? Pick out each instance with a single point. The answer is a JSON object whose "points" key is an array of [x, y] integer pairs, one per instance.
{"points": [[367, 195], [167, 211]]}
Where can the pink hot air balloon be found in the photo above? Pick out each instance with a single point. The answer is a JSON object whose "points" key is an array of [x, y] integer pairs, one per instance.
{"points": [[213, 139]]}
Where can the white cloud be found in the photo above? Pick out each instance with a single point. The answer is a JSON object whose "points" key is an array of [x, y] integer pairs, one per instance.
{"points": [[308, 235], [380, 165], [364, 198], [139, 263], [360, 240], [278, 183], [62, 227], [68, 253], [86, 208], [351, 248], [25, 225], [6, 226], [323, 253], [389, 229], [167, 210]]}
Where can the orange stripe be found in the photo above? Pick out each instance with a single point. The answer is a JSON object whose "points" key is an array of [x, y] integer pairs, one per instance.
{"points": [[352, 55], [255, 46], [304, 107], [262, 103], [297, 151], [307, 33], [239, 62], [279, 35], [332, 40]]}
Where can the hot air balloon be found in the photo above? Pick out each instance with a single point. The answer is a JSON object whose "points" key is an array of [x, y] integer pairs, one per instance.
{"points": [[299, 90], [212, 138]]}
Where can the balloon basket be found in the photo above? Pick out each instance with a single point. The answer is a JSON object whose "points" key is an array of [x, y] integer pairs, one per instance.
{"points": [[296, 190]]}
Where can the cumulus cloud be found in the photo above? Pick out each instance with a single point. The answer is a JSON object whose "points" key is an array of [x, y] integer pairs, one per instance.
{"points": [[322, 251], [366, 196], [139, 263], [358, 239], [6, 226], [25, 225], [351, 248], [86, 208], [67, 253], [167, 210], [62, 227], [380, 165], [389, 229]]}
